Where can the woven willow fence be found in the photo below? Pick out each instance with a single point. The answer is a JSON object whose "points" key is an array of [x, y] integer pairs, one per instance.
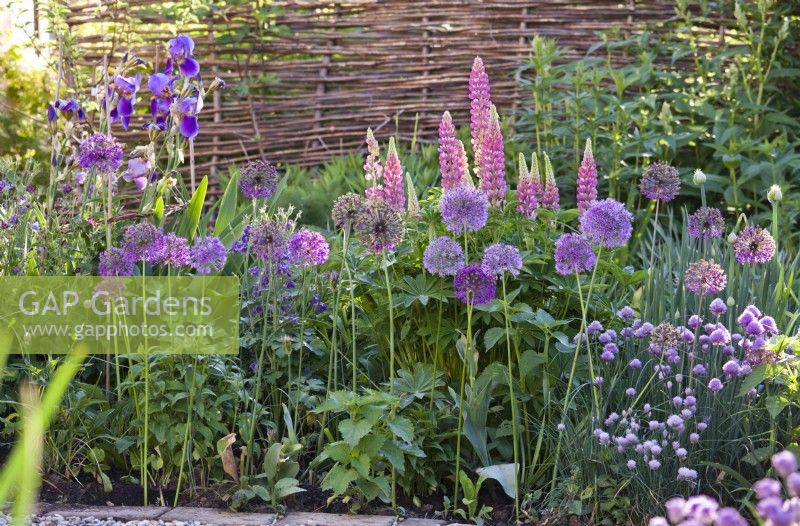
{"points": [[306, 77]]}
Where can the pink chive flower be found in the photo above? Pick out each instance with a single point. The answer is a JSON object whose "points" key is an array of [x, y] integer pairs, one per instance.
{"points": [[528, 189], [587, 179], [491, 163], [393, 180], [480, 106], [550, 197], [452, 163]]}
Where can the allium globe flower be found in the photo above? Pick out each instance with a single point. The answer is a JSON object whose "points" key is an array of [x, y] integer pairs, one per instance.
{"points": [[607, 223], [661, 182], [500, 258], [208, 255], [379, 226], [346, 209], [474, 285], [784, 463], [705, 277], [176, 251], [144, 242], [465, 209], [754, 245], [706, 223], [715, 385], [268, 241], [573, 254], [100, 152], [718, 307], [308, 248], [115, 261], [258, 178], [665, 337], [443, 257]]}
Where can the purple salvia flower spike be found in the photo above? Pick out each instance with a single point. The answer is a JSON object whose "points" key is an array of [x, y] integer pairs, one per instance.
{"points": [[550, 198], [492, 169], [587, 179], [480, 106], [451, 159], [527, 198], [393, 184]]}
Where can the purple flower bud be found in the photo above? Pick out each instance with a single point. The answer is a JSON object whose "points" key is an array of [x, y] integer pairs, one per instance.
{"points": [[793, 484], [694, 438], [630, 391], [784, 463], [766, 488], [718, 307], [599, 380], [636, 363], [631, 464]]}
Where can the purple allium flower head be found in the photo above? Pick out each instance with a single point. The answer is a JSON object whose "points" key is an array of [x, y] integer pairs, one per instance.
{"points": [[258, 178], [705, 277], [465, 209], [731, 368], [687, 474], [126, 88], [607, 223], [730, 517], [443, 257], [718, 307], [706, 223], [599, 380], [115, 261], [379, 226], [661, 182], [636, 363], [308, 248], [766, 488], [176, 251], [561, 427], [529, 188], [715, 385], [451, 161], [480, 107], [550, 197], [630, 391], [491, 162], [346, 209], [180, 50], [587, 179], [500, 258], [626, 313], [100, 152], [208, 255], [144, 242], [474, 284], [573, 254], [754, 245], [784, 463], [269, 241], [793, 484], [393, 189]]}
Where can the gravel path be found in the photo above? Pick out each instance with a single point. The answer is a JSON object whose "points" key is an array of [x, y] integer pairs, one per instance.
{"points": [[55, 519]]}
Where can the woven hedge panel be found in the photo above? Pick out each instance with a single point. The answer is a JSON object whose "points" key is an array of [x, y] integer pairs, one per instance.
{"points": [[306, 78]]}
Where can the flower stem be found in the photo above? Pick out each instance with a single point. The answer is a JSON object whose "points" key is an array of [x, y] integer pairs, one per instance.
{"points": [[391, 361], [467, 347], [513, 401]]}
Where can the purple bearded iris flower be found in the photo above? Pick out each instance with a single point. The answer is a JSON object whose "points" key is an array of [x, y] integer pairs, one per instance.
{"points": [[138, 172], [161, 87], [180, 51], [68, 108], [186, 111], [126, 88]]}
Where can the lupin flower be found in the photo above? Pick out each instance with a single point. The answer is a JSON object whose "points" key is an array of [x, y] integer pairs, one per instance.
{"points": [[661, 182], [550, 198], [379, 226], [208, 255], [607, 223], [443, 257], [465, 209], [393, 191], [492, 169], [180, 51], [574, 254], [474, 285], [705, 277], [186, 111], [126, 89], [308, 248], [373, 171], [258, 178], [452, 164], [480, 107], [587, 179], [527, 190], [100, 152], [754, 245]]}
